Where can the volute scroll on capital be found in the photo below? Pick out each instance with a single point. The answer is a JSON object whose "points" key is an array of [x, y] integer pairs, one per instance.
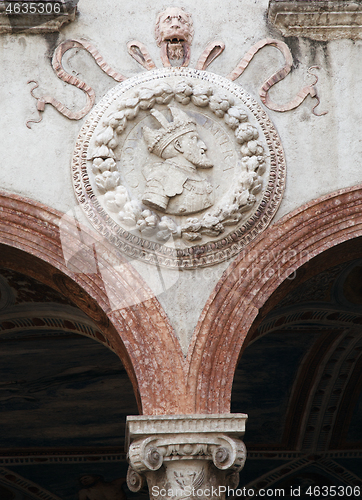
{"points": [[149, 454]]}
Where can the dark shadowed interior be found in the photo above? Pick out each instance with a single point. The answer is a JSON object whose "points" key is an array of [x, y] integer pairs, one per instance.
{"points": [[64, 396], [300, 378]]}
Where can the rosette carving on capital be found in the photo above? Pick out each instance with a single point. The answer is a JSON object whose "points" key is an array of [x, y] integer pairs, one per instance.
{"points": [[188, 450]]}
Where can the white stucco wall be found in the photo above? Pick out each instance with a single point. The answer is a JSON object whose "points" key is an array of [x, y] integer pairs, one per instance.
{"points": [[323, 153]]}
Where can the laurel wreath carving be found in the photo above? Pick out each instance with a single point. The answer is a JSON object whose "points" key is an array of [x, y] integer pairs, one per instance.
{"points": [[239, 199]]}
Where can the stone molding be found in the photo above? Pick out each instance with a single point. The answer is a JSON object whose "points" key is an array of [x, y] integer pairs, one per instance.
{"points": [[187, 451], [317, 19], [27, 488], [47, 321], [232, 424], [34, 23], [30, 456]]}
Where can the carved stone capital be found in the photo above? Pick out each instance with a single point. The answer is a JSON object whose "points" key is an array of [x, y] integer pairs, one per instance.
{"points": [[185, 455]]}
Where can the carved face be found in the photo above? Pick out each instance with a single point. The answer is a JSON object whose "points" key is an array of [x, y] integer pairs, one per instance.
{"points": [[174, 25], [193, 149]]}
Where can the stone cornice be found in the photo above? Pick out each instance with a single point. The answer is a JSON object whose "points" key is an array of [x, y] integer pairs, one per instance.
{"points": [[317, 19], [232, 424], [36, 23]]}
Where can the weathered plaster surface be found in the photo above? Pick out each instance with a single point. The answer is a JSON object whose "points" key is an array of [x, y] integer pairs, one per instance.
{"points": [[322, 153]]}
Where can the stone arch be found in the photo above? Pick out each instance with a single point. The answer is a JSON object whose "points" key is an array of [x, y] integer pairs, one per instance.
{"points": [[17, 486], [137, 329], [252, 279]]}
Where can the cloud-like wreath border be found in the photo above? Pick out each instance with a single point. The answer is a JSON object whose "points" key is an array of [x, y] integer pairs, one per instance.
{"points": [[239, 199]]}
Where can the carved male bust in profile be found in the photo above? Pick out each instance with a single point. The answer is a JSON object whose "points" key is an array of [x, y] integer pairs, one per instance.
{"points": [[175, 186]]}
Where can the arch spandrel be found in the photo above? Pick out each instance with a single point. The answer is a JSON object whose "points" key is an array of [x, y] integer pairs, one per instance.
{"points": [[138, 329], [251, 280]]}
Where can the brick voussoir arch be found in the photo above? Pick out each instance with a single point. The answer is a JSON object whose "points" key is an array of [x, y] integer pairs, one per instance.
{"points": [[137, 327], [251, 279]]}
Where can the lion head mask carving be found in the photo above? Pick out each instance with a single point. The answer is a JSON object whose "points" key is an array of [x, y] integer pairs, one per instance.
{"points": [[174, 26]]}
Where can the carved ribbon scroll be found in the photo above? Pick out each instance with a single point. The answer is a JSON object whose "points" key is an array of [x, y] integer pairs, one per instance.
{"points": [[276, 77], [211, 52], [174, 33], [73, 80], [139, 52]]}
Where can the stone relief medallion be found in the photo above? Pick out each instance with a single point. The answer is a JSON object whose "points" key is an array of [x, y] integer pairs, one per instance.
{"points": [[179, 167]]}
